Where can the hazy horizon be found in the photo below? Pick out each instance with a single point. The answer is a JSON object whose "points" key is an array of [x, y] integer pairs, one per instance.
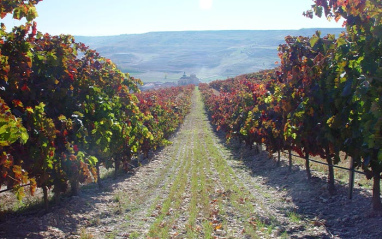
{"points": [[109, 18], [226, 30]]}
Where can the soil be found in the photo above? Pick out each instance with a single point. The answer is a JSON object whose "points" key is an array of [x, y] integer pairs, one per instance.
{"points": [[249, 196]]}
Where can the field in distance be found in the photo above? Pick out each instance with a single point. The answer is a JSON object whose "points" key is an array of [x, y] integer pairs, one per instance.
{"points": [[164, 56]]}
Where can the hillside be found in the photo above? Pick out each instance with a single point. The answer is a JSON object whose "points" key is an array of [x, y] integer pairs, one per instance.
{"points": [[164, 56]]}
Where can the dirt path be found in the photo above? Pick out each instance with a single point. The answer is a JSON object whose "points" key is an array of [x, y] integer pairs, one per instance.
{"points": [[194, 188]]}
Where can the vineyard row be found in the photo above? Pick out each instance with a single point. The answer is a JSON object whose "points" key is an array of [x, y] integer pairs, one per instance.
{"points": [[323, 99], [65, 110]]}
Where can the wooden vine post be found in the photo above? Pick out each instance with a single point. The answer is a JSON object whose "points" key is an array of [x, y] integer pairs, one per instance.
{"points": [[307, 165], [351, 178], [290, 159]]}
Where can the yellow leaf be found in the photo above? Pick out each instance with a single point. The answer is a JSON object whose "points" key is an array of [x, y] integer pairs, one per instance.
{"points": [[311, 112], [20, 193], [29, 62], [29, 109], [218, 227], [17, 171], [33, 186]]}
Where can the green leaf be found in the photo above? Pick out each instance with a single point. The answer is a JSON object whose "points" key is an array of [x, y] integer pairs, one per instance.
{"points": [[3, 129], [93, 160], [314, 40], [17, 13], [77, 113], [32, 13], [4, 143], [341, 41], [41, 57], [80, 154], [62, 118], [24, 136], [20, 194], [380, 155]]}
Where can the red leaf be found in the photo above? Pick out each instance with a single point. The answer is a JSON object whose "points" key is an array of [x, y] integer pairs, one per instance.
{"points": [[34, 29], [17, 103], [25, 88]]}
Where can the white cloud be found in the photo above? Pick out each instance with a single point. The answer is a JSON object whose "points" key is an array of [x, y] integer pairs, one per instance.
{"points": [[205, 4]]}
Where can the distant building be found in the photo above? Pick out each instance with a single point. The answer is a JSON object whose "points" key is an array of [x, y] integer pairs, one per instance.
{"points": [[157, 85], [189, 80]]}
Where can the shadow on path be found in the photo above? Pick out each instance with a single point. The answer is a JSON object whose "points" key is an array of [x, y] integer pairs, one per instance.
{"points": [[63, 220], [343, 218]]}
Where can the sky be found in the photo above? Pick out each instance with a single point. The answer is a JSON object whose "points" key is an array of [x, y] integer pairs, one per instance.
{"points": [[115, 17]]}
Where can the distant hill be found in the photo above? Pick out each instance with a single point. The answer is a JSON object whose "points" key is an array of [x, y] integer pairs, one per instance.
{"points": [[164, 56]]}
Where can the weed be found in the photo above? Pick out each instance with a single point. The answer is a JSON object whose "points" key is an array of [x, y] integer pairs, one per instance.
{"points": [[270, 229], [284, 235], [294, 217], [111, 235], [134, 235], [95, 221], [85, 235], [208, 229]]}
